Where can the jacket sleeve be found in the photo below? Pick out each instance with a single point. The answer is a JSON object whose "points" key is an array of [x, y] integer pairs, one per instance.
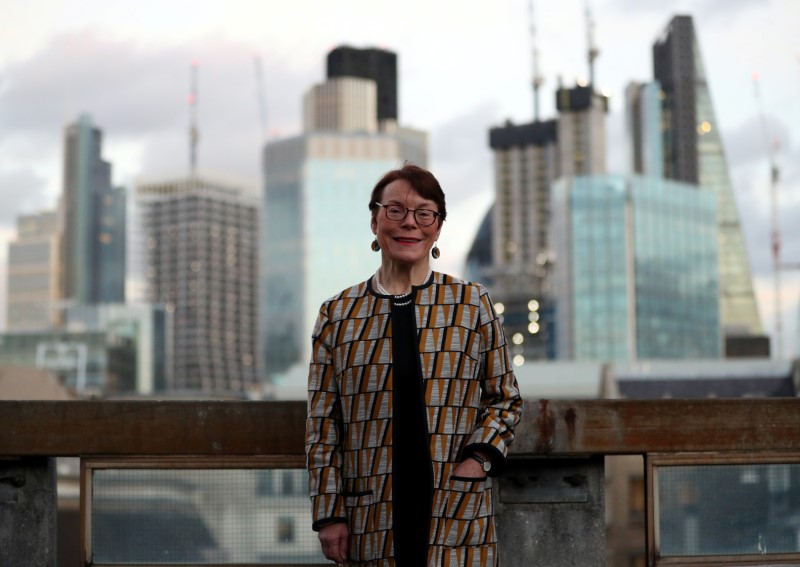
{"points": [[323, 429], [501, 404]]}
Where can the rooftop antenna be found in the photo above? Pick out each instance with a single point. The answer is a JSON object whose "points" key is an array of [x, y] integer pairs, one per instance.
{"points": [[593, 51], [262, 101], [537, 77], [194, 136]]}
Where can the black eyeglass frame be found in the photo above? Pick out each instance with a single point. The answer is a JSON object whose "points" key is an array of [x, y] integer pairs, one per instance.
{"points": [[385, 208]]}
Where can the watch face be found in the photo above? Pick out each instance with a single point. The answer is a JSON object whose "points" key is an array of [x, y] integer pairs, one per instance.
{"points": [[487, 466]]}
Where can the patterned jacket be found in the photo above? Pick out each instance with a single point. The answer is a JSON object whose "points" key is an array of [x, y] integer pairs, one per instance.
{"points": [[472, 401]]}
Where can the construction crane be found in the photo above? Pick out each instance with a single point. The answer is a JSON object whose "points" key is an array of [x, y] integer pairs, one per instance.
{"points": [[537, 79], [775, 234]]}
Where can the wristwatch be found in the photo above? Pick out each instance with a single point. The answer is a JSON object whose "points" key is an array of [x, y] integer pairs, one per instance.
{"points": [[485, 463]]}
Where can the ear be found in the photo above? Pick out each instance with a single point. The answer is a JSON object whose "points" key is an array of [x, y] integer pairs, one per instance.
{"points": [[374, 225]]}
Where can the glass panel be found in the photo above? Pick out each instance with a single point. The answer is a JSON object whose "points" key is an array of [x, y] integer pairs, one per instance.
{"points": [[198, 516], [728, 509]]}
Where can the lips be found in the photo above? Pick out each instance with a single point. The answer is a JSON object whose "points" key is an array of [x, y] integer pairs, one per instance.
{"points": [[407, 240]]}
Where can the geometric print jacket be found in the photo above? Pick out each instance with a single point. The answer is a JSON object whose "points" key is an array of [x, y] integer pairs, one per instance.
{"points": [[471, 400]]}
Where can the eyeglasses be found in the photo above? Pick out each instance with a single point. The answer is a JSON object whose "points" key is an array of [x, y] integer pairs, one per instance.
{"points": [[424, 217]]}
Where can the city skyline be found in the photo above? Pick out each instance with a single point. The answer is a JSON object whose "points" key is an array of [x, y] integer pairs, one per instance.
{"points": [[146, 124]]}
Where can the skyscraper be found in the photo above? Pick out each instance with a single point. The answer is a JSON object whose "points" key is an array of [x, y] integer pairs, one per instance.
{"points": [[693, 152], [93, 253], [33, 273], [200, 250], [316, 237], [372, 63]]}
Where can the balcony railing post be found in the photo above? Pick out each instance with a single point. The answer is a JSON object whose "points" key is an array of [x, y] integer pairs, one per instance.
{"points": [[28, 512], [551, 512]]}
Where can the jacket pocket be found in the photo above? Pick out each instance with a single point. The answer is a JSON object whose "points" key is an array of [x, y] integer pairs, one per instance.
{"points": [[462, 517], [357, 501], [463, 497]]}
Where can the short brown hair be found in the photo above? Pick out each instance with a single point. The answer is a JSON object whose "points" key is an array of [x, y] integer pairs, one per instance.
{"points": [[420, 179]]}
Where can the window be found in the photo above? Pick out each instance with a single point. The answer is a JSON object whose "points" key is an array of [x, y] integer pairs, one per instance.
{"points": [[198, 511], [724, 508]]}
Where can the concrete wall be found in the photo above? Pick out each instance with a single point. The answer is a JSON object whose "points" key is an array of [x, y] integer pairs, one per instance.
{"points": [[550, 513], [28, 512]]}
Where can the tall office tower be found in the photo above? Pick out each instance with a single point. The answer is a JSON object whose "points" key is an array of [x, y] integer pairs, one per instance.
{"points": [[33, 273], [316, 237], [376, 64], [93, 245], [200, 240], [636, 275], [693, 153], [528, 158]]}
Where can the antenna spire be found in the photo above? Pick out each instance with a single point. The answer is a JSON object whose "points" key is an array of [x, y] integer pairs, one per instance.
{"points": [[592, 50], [194, 135], [537, 78]]}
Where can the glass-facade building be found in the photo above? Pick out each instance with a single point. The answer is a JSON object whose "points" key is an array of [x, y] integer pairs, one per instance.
{"points": [[93, 211], [316, 237], [636, 269]]}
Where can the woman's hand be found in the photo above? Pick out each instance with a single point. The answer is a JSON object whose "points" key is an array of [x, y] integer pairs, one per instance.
{"points": [[469, 468], [335, 540]]}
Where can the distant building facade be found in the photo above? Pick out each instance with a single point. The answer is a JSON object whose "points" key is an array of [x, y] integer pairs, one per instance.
{"points": [[636, 275], [693, 153], [93, 244], [80, 359], [137, 337], [34, 286], [316, 237], [200, 240]]}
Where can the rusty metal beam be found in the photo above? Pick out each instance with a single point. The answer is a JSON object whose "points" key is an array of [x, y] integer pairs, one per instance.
{"points": [[212, 428], [619, 427], [560, 428]]}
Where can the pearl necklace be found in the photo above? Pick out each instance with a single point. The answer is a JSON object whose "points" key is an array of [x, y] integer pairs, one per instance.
{"points": [[383, 291]]}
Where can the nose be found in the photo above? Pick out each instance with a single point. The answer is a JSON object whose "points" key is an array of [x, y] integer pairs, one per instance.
{"points": [[410, 219]]}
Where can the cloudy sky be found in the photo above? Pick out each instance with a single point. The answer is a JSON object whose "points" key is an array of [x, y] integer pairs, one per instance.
{"points": [[465, 65]]}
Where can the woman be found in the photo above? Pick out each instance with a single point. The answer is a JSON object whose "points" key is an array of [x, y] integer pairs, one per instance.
{"points": [[412, 402]]}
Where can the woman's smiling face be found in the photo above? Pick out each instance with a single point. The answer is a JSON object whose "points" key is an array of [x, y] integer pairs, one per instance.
{"points": [[404, 241]]}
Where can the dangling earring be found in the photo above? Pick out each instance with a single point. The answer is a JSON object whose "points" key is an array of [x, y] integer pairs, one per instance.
{"points": [[435, 251], [375, 246]]}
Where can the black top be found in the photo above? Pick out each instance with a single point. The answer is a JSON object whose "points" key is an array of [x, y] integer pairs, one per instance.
{"points": [[412, 478]]}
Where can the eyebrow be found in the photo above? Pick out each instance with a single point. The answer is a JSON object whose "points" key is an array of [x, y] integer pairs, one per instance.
{"points": [[428, 204]]}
